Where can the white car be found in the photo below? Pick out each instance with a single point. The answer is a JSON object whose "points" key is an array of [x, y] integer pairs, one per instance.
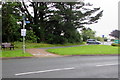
{"points": [[92, 41]]}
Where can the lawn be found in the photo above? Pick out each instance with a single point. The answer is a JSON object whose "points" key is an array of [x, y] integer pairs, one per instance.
{"points": [[85, 50], [18, 45], [14, 53], [18, 48]]}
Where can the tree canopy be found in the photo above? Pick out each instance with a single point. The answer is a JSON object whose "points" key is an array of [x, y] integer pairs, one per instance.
{"points": [[51, 22], [115, 33], [88, 33]]}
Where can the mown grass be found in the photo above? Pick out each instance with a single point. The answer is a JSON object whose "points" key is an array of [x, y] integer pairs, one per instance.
{"points": [[85, 50], [19, 53], [18, 45], [14, 53]]}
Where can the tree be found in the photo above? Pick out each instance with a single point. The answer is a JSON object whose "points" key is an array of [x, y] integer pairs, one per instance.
{"points": [[88, 33], [39, 20], [70, 18], [115, 34], [10, 29], [0, 23], [51, 19]]}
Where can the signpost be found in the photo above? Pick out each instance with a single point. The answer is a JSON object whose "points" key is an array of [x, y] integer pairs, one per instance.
{"points": [[117, 41], [103, 38], [23, 32], [27, 21]]}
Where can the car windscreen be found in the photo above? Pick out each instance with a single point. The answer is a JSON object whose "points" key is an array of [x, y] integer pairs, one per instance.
{"points": [[91, 40]]}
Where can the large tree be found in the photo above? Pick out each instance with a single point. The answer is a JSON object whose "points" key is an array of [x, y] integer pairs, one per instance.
{"points": [[115, 34], [61, 17], [38, 21], [57, 21], [10, 29], [74, 15]]}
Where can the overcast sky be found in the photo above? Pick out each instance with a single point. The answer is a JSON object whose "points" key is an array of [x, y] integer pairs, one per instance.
{"points": [[109, 20]]}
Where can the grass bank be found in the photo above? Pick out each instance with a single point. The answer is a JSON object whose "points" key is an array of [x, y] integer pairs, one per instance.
{"points": [[85, 50], [18, 45], [19, 53], [14, 53]]}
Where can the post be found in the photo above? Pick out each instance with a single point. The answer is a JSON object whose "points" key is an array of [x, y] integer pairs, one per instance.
{"points": [[103, 39], [23, 36]]}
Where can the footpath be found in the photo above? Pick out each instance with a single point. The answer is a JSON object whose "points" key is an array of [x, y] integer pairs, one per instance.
{"points": [[41, 52]]}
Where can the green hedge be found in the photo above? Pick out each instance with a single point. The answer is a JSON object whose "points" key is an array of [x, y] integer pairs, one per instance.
{"points": [[114, 44]]}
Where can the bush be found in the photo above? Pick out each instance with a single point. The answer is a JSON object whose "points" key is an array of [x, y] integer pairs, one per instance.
{"points": [[73, 37], [99, 39], [113, 44], [112, 39], [30, 36], [54, 39]]}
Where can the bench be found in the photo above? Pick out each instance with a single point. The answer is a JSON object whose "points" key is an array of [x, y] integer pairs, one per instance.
{"points": [[7, 45]]}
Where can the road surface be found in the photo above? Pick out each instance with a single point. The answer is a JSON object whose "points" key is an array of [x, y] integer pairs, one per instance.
{"points": [[62, 67]]}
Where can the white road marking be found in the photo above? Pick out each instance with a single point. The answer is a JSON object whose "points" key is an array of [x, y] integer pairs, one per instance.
{"points": [[44, 71], [51, 70], [108, 64]]}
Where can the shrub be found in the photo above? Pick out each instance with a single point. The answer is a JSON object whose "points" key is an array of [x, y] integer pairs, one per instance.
{"points": [[30, 36], [54, 39], [113, 44]]}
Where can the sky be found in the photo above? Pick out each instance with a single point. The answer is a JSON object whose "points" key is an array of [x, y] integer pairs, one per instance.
{"points": [[109, 20]]}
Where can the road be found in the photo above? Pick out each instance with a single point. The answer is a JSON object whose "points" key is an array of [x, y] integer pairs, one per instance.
{"points": [[106, 43], [62, 67]]}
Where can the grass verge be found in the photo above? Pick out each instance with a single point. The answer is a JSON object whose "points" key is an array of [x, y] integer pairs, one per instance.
{"points": [[19, 53], [14, 53], [85, 50], [18, 45]]}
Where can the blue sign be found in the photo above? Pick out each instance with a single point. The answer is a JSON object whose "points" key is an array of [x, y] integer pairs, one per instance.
{"points": [[27, 21], [103, 36]]}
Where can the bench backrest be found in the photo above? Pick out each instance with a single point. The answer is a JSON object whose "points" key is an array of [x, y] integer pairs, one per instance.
{"points": [[6, 44]]}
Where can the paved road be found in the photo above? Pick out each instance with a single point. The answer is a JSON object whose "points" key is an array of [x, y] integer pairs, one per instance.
{"points": [[106, 43], [102, 43], [62, 67], [61, 47]]}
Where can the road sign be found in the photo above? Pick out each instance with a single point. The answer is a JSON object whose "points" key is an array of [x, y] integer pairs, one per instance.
{"points": [[117, 41], [103, 36], [19, 22], [23, 32], [27, 21]]}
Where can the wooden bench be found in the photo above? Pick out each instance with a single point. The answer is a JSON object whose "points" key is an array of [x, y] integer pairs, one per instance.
{"points": [[7, 45]]}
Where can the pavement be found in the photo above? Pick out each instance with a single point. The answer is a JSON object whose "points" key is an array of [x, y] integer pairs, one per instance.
{"points": [[41, 53], [62, 67]]}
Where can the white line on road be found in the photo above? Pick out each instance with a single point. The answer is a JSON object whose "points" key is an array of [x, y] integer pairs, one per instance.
{"points": [[44, 71], [108, 64]]}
